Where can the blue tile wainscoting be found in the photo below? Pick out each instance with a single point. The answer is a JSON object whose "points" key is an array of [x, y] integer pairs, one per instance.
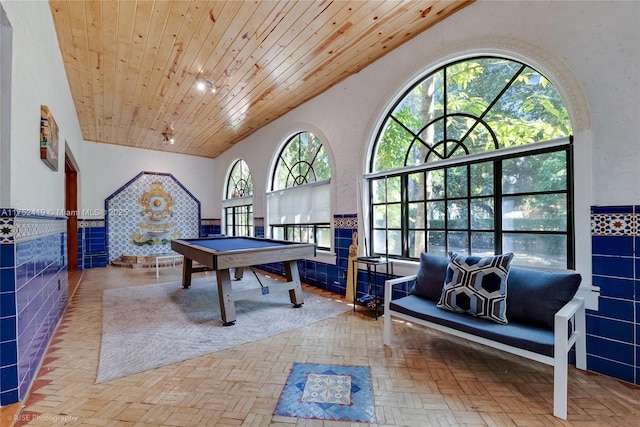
{"points": [[322, 275], [613, 332], [209, 226], [258, 227], [33, 295], [92, 244], [333, 277]]}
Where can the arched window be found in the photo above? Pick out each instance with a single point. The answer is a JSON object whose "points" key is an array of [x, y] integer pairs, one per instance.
{"points": [[238, 204], [476, 158], [299, 201]]}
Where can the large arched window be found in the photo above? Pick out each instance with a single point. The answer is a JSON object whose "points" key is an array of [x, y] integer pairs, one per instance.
{"points": [[299, 201], [238, 203], [475, 158]]}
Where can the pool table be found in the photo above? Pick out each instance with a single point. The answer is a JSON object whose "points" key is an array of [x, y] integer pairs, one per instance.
{"points": [[224, 253]]}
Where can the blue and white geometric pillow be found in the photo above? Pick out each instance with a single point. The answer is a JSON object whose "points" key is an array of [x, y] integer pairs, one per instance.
{"points": [[477, 286]]}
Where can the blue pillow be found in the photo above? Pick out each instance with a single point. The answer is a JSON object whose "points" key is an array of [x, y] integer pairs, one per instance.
{"points": [[535, 296], [430, 276], [477, 286]]}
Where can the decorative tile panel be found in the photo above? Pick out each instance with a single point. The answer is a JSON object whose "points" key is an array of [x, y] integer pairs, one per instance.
{"points": [[614, 224], [26, 228], [345, 221], [146, 213], [6, 230]]}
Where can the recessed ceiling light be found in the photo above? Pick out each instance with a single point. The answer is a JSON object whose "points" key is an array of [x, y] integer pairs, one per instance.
{"points": [[205, 85]]}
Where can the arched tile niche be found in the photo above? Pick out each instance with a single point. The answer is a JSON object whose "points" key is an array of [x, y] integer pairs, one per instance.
{"points": [[147, 212]]}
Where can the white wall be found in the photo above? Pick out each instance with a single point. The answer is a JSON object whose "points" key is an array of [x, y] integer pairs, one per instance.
{"points": [[107, 167], [38, 77]]}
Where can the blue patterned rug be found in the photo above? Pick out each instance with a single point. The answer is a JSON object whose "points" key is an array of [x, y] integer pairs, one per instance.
{"points": [[328, 392]]}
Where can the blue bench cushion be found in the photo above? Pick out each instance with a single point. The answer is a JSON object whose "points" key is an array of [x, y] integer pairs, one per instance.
{"points": [[529, 337], [534, 296]]}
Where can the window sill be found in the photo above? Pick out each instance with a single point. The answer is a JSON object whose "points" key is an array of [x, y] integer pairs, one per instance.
{"points": [[324, 256]]}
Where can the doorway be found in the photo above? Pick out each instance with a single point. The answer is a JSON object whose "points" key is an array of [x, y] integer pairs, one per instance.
{"points": [[71, 206]]}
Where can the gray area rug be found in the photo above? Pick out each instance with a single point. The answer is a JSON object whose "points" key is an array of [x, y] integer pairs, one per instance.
{"points": [[145, 327]]}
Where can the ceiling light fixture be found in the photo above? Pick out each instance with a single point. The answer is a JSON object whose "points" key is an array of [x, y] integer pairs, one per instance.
{"points": [[167, 135], [205, 85]]}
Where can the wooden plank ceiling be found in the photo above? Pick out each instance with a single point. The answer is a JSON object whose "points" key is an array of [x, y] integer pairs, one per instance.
{"points": [[132, 65]]}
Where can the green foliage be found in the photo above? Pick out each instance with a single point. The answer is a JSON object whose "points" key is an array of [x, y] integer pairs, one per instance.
{"points": [[473, 106], [490, 104]]}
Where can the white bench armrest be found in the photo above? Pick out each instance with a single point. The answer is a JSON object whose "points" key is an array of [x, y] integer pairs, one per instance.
{"points": [[388, 293], [566, 334]]}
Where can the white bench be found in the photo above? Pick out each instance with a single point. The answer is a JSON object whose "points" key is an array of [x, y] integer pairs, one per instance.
{"points": [[568, 331]]}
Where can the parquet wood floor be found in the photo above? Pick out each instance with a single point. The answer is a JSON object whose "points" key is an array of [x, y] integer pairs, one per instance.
{"points": [[425, 379]]}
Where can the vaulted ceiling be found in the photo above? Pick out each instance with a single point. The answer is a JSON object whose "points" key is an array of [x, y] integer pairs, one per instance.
{"points": [[132, 65]]}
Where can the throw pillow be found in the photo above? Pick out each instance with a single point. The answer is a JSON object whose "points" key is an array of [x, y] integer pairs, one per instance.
{"points": [[430, 276], [535, 296], [477, 286]]}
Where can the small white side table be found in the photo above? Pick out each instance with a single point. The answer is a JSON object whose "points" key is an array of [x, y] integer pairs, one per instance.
{"points": [[172, 257]]}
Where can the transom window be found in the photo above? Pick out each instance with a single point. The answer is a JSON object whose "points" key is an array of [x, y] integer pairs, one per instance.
{"points": [[301, 161], [239, 183], [476, 158], [299, 201], [238, 205]]}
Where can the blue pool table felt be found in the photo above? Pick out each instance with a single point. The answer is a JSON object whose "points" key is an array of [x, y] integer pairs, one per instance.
{"points": [[233, 243]]}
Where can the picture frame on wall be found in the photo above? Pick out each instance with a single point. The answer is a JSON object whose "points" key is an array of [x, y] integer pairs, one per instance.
{"points": [[48, 138]]}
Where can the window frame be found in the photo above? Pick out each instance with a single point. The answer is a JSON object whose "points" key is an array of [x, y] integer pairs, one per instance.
{"points": [[235, 228], [296, 183], [564, 144], [236, 202]]}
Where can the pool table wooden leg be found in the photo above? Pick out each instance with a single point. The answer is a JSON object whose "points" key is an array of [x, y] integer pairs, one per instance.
{"points": [[227, 304], [187, 266], [293, 275]]}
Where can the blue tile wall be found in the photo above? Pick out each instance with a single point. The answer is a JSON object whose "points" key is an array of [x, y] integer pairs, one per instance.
{"points": [[33, 296], [8, 314], [92, 241], [209, 226], [343, 228], [334, 277], [92, 244], [80, 251], [258, 227], [613, 346]]}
